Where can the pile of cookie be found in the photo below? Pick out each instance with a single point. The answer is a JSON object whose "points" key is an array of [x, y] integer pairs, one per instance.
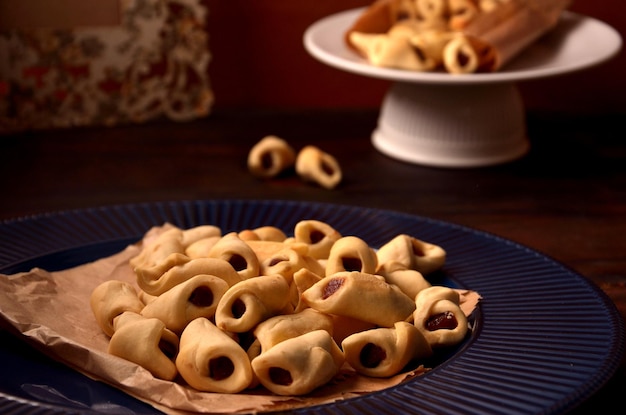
{"points": [[230, 312]]}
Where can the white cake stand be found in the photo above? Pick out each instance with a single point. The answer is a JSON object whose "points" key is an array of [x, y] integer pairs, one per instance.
{"points": [[444, 120]]}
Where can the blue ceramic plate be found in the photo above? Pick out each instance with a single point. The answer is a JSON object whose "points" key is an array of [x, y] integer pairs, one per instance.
{"points": [[545, 338]]}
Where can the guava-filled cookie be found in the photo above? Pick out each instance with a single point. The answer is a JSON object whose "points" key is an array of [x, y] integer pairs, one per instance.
{"points": [[465, 54], [407, 252], [431, 9], [438, 316], [146, 342], [351, 253], [110, 299], [185, 270], [155, 252], [280, 328], [461, 13], [251, 301], [149, 278], [430, 45], [299, 365], [270, 157], [315, 165], [196, 297], [380, 16], [167, 250], [390, 51], [359, 295], [318, 235], [238, 254], [211, 361], [383, 352], [284, 262]]}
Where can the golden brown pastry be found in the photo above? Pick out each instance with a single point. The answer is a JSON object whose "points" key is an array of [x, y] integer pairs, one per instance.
{"points": [[126, 318], [145, 297], [345, 326], [201, 247], [317, 166], [318, 235], [253, 351], [167, 250], [270, 157], [146, 342], [351, 253], [187, 269], [299, 365], [303, 279], [489, 5], [248, 235], [431, 9], [280, 328], [409, 281], [383, 352], [196, 297], [149, 278], [430, 45], [379, 17], [465, 54], [438, 316], [392, 51], [110, 299], [165, 244], [270, 233], [251, 301], [284, 262], [407, 252], [211, 361], [359, 295], [264, 233], [265, 249], [238, 253], [461, 13], [193, 235], [400, 10]]}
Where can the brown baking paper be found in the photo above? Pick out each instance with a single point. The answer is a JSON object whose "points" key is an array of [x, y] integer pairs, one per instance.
{"points": [[51, 310]]}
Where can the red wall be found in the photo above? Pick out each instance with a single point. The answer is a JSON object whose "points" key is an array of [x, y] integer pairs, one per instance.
{"points": [[259, 61]]}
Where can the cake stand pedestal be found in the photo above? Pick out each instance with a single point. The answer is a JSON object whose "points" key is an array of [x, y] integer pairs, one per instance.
{"points": [[452, 125]]}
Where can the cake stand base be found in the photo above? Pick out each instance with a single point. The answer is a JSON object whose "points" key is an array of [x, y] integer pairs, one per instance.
{"points": [[445, 125]]}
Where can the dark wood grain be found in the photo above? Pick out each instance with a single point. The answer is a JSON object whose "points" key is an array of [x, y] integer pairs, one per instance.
{"points": [[566, 198]]}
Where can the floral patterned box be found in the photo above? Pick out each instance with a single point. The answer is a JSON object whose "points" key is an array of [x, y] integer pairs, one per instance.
{"points": [[153, 62]]}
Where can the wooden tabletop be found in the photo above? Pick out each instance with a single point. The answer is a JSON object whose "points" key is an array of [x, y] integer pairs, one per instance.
{"points": [[566, 198]]}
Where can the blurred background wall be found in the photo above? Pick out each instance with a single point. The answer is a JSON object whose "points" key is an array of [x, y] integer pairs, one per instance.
{"points": [[258, 60]]}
